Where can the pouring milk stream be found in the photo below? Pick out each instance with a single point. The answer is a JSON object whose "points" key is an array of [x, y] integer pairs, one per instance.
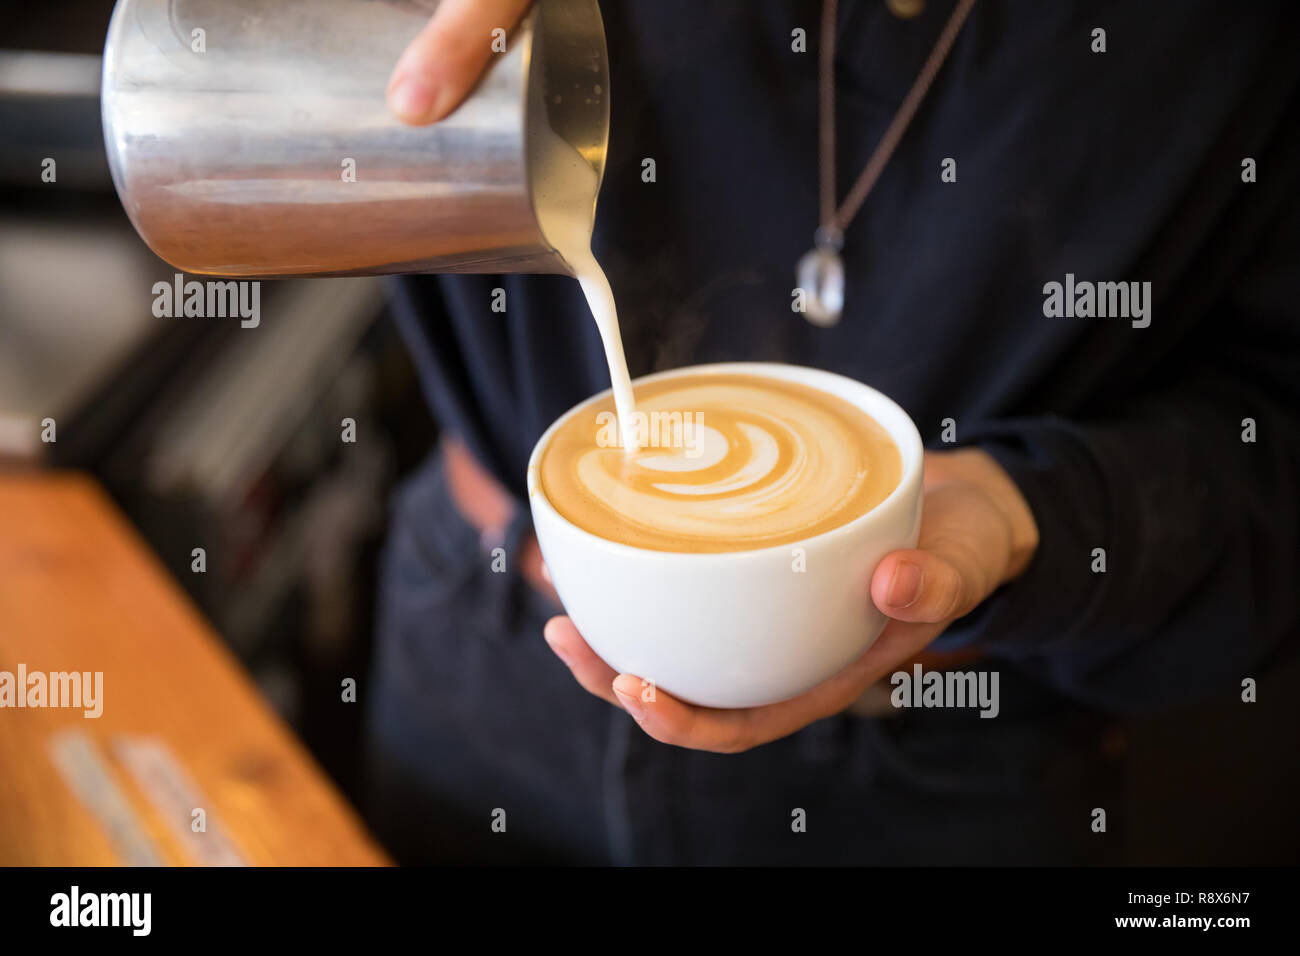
{"points": [[566, 187]]}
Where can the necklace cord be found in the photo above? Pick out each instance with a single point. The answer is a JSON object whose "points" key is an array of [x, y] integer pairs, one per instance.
{"points": [[826, 112], [836, 221]]}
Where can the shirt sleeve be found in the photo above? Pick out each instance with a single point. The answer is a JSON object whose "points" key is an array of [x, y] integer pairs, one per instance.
{"points": [[1190, 491]]}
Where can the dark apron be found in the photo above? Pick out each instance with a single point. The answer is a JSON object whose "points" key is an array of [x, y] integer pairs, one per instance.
{"points": [[474, 725]]}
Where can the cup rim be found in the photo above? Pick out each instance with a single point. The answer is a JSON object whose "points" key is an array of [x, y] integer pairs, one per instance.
{"points": [[909, 446]]}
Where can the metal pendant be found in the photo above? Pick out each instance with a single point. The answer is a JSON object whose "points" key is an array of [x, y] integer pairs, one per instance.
{"points": [[820, 274]]}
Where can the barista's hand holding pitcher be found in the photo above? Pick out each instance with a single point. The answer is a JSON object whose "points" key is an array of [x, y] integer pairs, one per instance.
{"points": [[977, 531]]}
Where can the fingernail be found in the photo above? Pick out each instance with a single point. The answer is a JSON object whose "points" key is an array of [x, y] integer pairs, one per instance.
{"points": [[560, 652], [628, 691], [905, 588], [411, 99]]}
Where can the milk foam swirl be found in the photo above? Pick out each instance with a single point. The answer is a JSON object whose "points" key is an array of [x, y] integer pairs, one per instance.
{"points": [[746, 462]]}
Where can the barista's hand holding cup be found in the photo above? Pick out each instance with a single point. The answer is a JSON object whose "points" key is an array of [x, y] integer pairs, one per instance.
{"points": [[728, 591], [976, 532]]}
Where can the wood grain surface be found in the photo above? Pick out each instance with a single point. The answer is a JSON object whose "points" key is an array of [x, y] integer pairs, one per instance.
{"points": [[80, 591]]}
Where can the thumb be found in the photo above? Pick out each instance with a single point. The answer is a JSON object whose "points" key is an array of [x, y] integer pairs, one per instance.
{"points": [[923, 587], [963, 551]]}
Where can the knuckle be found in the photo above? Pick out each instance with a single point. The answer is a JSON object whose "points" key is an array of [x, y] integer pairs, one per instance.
{"points": [[731, 745], [736, 738], [945, 591]]}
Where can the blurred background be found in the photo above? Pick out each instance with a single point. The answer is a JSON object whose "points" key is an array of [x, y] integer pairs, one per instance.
{"points": [[202, 431]]}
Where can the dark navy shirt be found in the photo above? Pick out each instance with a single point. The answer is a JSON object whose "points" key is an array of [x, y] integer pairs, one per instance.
{"points": [[1120, 166]]}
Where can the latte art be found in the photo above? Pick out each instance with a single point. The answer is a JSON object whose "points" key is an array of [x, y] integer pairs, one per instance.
{"points": [[755, 462]]}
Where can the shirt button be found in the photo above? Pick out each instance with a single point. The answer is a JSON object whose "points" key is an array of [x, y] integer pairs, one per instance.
{"points": [[905, 9]]}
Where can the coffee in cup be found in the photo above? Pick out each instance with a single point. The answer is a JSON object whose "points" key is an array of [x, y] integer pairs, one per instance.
{"points": [[724, 462]]}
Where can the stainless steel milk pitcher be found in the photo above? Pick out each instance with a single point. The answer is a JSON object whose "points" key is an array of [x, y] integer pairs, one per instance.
{"points": [[251, 137]]}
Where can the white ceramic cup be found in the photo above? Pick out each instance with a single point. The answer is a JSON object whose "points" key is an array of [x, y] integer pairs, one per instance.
{"points": [[739, 628]]}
